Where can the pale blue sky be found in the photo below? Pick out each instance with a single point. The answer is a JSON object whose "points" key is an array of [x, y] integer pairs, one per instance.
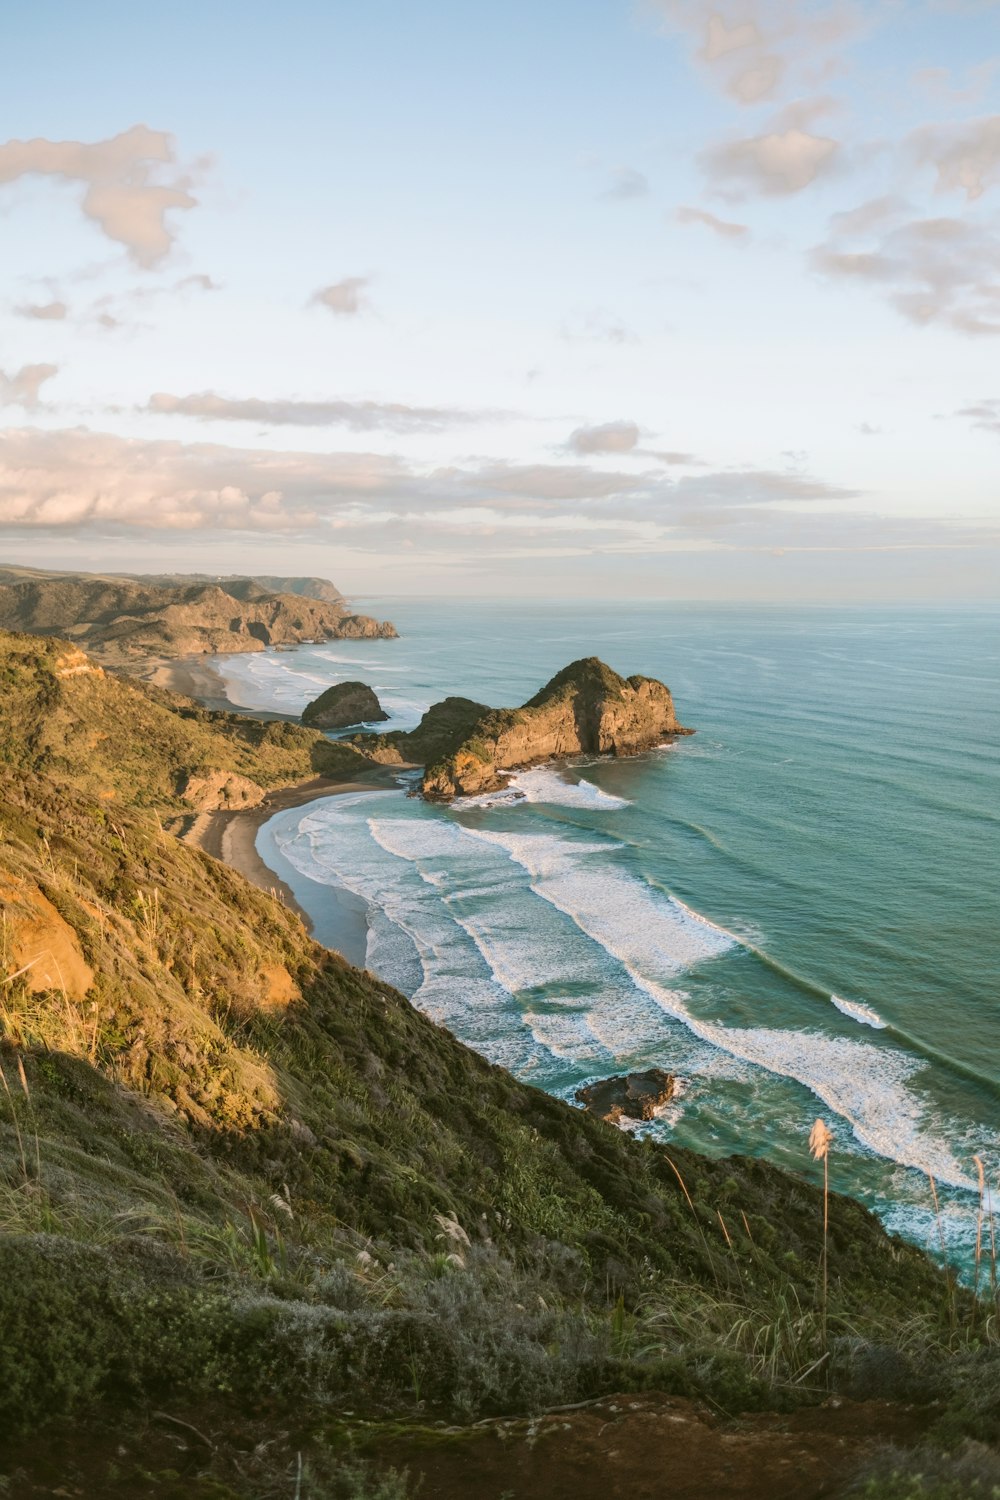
{"points": [[678, 298]]}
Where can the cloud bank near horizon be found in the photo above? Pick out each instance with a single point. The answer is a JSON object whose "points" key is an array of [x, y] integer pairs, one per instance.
{"points": [[629, 323]]}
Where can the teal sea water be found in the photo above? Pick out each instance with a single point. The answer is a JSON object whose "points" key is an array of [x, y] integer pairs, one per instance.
{"points": [[797, 910]]}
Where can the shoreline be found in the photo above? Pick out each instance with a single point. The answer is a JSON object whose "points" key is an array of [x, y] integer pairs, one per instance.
{"points": [[231, 838], [199, 678]]}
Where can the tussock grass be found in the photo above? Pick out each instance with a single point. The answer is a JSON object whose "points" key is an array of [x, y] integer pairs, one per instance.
{"points": [[205, 1194]]}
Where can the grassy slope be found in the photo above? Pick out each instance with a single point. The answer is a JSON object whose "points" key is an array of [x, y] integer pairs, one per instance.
{"points": [[134, 742], [234, 1166]]}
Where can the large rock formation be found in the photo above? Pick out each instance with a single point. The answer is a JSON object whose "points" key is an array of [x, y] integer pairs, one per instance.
{"points": [[443, 726], [122, 621], [633, 1096], [344, 704], [586, 709]]}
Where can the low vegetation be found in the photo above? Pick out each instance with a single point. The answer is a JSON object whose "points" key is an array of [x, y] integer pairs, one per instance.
{"points": [[238, 1174]]}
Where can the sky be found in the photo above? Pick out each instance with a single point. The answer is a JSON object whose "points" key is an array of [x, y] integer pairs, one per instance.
{"points": [[560, 298]]}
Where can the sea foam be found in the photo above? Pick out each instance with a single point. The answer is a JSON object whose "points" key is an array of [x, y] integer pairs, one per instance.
{"points": [[545, 784], [858, 1012], [537, 992], [654, 936]]}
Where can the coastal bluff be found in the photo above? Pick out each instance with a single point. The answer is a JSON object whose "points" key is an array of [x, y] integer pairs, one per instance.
{"points": [[125, 622], [586, 709]]}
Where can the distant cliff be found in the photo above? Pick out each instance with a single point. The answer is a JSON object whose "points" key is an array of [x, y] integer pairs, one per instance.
{"points": [[121, 620], [245, 587], [586, 709]]}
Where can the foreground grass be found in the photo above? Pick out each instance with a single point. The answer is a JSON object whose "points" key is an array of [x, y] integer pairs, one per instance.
{"points": [[234, 1169]]}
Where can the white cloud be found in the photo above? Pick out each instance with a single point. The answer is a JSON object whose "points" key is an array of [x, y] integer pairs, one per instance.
{"points": [[777, 164], [23, 387], [966, 155], [130, 183], [97, 485], [931, 270], [345, 298], [598, 326], [607, 437], [753, 49], [78, 478], [984, 415]]}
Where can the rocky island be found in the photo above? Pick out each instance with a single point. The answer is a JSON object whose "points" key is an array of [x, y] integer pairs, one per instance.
{"points": [[342, 705], [586, 709]]}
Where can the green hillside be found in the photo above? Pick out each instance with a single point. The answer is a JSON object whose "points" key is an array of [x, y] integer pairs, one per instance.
{"points": [[239, 1175], [67, 719]]}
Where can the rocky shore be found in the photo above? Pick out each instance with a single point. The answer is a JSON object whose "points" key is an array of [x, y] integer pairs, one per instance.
{"points": [[586, 709]]}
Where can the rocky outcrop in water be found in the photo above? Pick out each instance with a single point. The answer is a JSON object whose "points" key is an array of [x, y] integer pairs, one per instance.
{"points": [[344, 704], [634, 1096], [444, 724], [586, 709]]}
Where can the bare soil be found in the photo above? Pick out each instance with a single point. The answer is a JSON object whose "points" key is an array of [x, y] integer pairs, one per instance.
{"points": [[653, 1446], [645, 1447]]}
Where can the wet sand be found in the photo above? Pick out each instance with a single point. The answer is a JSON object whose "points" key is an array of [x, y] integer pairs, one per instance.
{"points": [[197, 677], [232, 838]]}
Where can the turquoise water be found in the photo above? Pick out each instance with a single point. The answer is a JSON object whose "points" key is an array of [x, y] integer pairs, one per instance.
{"points": [[796, 910]]}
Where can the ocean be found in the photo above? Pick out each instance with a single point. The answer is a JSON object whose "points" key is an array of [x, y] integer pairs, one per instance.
{"points": [[797, 910]]}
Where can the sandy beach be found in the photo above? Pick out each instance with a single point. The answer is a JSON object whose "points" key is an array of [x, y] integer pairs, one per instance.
{"points": [[232, 838], [198, 677]]}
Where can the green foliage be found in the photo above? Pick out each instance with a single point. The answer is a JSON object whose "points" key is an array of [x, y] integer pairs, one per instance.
{"points": [[130, 741], [239, 1168], [970, 1473]]}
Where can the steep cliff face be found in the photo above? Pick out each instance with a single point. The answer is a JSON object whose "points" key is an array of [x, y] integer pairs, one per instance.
{"points": [[586, 709], [123, 621]]}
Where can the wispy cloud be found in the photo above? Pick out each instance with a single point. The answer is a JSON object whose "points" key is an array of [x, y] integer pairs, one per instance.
{"points": [[362, 416], [778, 163], [722, 227], [597, 326], [755, 50], [626, 183], [90, 483], [43, 312], [931, 270], [984, 415], [23, 387], [966, 155], [131, 183], [345, 298]]}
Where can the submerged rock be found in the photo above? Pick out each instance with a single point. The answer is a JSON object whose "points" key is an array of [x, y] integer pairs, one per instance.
{"points": [[344, 704], [635, 1095]]}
